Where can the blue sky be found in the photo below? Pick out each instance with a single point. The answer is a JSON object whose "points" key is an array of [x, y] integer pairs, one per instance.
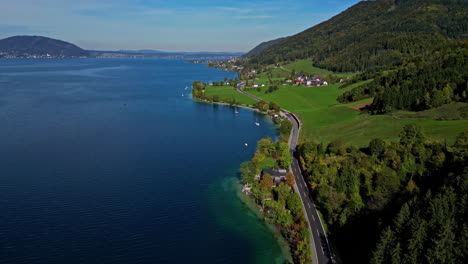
{"points": [[168, 25]]}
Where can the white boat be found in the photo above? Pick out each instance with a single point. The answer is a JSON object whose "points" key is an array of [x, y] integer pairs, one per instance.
{"points": [[246, 144], [183, 95], [257, 123], [186, 87], [236, 112]]}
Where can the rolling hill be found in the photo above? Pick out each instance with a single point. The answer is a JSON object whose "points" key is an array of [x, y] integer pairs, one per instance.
{"points": [[40, 46], [261, 47], [375, 35]]}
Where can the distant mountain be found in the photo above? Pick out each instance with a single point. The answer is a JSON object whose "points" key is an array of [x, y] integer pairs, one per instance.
{"points": [[375, 35], [261, 47], [163, 54], [144, 51], [26, 46]]}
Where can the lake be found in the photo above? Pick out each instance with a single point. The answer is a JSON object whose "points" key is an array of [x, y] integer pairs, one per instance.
{"points": [[111, 161]]}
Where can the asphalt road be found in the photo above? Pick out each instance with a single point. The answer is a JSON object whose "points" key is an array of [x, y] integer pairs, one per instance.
{"points": [[319, 244]]}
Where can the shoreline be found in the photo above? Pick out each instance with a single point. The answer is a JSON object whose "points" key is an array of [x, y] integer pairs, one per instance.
{"points": [[247, 200], [276, 233], [241, 106]]}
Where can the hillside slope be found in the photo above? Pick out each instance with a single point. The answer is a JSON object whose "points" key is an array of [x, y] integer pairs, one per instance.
{"points": [[375, 35], [261, 47], [37, 45]]}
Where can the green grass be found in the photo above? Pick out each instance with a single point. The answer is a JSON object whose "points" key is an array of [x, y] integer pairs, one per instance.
{"points": [[266, 80], [306, 66], [357, 102], [275, 73], [266, 164], [455, 111], [324, 119], [229, 92], [354, 85]]}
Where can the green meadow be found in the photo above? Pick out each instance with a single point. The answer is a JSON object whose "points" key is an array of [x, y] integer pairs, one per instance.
{"points": [[306, 67], [325, 119], [229, 92]]}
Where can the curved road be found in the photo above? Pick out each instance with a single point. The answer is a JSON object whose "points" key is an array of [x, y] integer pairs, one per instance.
{"points": [[322, 253]]}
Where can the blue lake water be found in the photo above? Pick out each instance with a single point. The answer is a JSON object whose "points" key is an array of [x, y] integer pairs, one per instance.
{"points": [[104, 161]]}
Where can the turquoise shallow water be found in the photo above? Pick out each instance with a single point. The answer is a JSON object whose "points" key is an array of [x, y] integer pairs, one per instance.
{"points": [[104, 161]]}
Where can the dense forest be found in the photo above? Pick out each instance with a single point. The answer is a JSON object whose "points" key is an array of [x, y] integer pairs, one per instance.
{"points": [[375, 35], [361, 191], [429, 81], [415, 50]]}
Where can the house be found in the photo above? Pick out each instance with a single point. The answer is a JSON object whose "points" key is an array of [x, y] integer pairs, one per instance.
{"points": [[278, 175], [318, 78]]}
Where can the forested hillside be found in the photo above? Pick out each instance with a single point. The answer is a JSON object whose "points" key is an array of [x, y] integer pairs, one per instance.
{"points": [[37, 45], [432, 79], [360, 192], [414, 51], [374, 35], [261, 47]]}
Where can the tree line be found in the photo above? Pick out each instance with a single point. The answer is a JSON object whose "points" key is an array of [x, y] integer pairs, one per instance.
{"points": [[429, 81], [280, 205], [361, 191]]}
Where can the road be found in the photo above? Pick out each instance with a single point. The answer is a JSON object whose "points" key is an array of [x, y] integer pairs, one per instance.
{"points": [[319, 241]]}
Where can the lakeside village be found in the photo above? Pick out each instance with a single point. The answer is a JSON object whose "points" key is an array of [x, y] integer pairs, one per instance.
{"points": [[254, 78], [15, 55], [266, 179]]}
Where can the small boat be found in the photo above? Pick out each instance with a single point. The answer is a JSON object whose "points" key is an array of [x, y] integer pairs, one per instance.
{"points": [[183, 95], [257, 123], [186, 87], [246, 144], [236, 112]]}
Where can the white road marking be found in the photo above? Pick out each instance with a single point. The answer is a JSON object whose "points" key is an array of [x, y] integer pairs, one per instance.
{"points": [[313, 217], [309, 206], [305, 194], [322, 250]]}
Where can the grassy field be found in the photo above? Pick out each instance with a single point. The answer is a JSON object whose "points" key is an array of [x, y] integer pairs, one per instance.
{"points": [[229, 92], [274, 73], [306, 66], [324, 119], [354, 85]]}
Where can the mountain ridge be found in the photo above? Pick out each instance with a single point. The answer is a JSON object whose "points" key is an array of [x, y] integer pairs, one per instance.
{"points": [[373, 35], [19, 46], [262, 46]]}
